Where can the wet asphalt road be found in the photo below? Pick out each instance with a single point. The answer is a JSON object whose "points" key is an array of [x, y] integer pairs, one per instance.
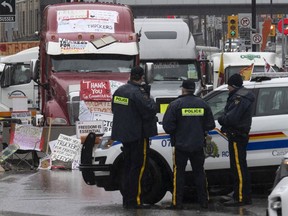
{"points": [[63, 192]]}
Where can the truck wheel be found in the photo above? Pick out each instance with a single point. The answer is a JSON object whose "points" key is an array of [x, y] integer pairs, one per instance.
{"points": [[86, 158], [153, 187], [153, 184]]}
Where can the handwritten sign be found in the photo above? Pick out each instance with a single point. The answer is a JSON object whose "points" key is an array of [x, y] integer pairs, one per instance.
{"points": [[95, 90], [95, 106], [83, 128], [27, 137], [87, 21], [106, 118], [66, 148]]}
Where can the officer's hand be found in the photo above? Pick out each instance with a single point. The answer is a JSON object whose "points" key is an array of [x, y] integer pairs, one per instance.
{"points": [[147, 88], [223, 130], [172, 140], [220, 120]]}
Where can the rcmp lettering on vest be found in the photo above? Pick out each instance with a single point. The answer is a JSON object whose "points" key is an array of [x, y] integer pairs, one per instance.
{"points": [[121, 100], [192, 112]]}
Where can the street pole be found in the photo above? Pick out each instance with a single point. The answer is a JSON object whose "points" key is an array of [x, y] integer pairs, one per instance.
{"points": [[273, 38], [253, 21], [271, 14], [283, 42], [205, 30]]}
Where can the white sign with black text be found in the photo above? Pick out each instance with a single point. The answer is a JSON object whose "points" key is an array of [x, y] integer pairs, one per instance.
{"points": [[83, 128]]}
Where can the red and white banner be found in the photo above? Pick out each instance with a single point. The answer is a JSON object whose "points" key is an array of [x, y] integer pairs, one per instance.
{"points": [[95, 90]]}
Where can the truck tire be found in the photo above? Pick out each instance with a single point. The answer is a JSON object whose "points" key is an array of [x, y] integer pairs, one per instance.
{"points": [[153, 188], [153, 183], [86, 158]]}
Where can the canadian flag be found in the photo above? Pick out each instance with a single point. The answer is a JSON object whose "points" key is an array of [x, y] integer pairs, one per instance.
{"points": [[268, 68]]}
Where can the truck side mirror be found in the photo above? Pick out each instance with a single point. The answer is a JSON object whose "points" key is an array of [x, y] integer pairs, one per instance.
{"points": [[34, 68], [149, 72]]}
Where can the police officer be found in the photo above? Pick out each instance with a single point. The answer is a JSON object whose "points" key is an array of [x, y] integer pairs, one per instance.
{"points": [[134, 121], [236, 122], [187, 120]]}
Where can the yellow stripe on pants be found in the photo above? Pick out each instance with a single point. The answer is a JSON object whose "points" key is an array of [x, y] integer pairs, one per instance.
{"points": [[142, 171], [239, 171], [174, 178]]}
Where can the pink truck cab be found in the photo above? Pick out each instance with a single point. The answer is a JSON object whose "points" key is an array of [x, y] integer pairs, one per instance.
{"points": [[81, 42]]}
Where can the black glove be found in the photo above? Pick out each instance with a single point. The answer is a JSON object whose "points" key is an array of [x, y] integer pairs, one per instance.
{"points": [[223, 129], [147, 89], [220, 120]]}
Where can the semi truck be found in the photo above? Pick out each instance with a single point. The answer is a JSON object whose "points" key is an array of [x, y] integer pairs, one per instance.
{"points": [[16, 80], [82, 42], [170, 46]]}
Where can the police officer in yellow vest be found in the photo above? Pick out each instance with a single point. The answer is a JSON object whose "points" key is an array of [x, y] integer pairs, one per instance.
{"points": [[187, 120], [134, 121]]}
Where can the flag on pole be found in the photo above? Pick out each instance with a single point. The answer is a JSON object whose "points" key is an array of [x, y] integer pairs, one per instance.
{"points": [[247, 71], [221, 71], [268, 68]]}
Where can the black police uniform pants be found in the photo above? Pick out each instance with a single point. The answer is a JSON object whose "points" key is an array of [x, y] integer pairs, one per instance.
{"points": [[239, 168], [135, 159], [197, 160]]}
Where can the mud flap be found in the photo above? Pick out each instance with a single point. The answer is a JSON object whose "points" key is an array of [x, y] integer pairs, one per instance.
{"points": [[86, 158]]}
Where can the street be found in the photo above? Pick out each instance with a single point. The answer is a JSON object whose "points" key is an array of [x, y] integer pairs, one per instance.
{"points": [[63, 192]]}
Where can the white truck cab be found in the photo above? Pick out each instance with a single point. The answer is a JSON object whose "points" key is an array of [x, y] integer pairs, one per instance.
{"points": [[16, 79], [170, 46]]}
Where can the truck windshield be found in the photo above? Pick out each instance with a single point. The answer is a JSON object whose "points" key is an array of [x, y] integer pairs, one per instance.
{"points": [[92, 63], [174, 70]]}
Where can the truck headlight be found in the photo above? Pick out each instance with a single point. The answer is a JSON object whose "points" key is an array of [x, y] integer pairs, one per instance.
{"points": [[105, 142]]}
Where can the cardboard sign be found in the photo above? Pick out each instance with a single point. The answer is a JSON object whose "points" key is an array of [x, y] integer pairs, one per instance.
{"points": [[83, 128], [95, 106], [95, 90], [106, 118], [27, 137], [66, 148]]}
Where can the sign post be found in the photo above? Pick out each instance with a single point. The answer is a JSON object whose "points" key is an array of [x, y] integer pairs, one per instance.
{"points": [[245, 29], [7, 11], [256, 38]]}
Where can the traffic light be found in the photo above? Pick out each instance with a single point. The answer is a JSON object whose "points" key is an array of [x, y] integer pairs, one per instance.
{"points": [[272, 32], [232, 27]]}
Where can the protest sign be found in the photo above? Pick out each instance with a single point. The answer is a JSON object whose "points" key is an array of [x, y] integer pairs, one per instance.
{"points": [[95, 90], [83, 128], [66, 148], [27, 137], [106, 118]]}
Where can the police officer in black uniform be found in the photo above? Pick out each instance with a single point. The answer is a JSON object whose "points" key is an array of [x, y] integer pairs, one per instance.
{"points": [[134, 121], [236, 122], [187, 120]]}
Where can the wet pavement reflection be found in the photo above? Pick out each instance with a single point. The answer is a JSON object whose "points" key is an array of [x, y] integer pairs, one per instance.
{"points": [[62, 192]]}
